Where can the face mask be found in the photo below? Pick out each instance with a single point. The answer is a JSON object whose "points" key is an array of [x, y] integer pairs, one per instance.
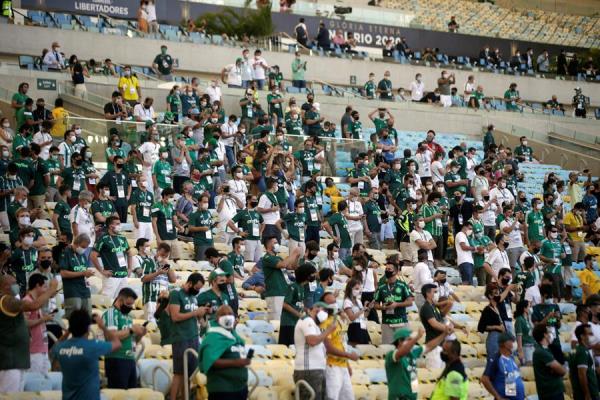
{"points": [[88, 154], [358, 268], [106, 193], [5, 153], [440, 189], [125, 309], [505, 281], [276, 248], [222, 287], [214, 120], [117, 228], [397, 167], [469, 232], [436, 297], [253, 204], [164, 155], [444, 357], [356, 292], [300, 210], [6, 124], [226, 321], [335, 255], [486, 198], [127, 73], [15, 289], [421, 224], [204, 206], [242, 131], [443, 281], [524, 142], [551, 335], [413, 207], [193, 292], [242, 248], [553, 235], [389, 274], [25, 221], [79, 250], [428, 187], [497, 299], [321, 316]]}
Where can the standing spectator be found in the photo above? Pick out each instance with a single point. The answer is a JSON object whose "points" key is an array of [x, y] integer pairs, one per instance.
{"points": [[453, 25], [151, 17], [142, 16], [512, 98], [513, 228], [14, 335], [259, 69], [246, 68], [323, 39], [421, 276], [73, 271], [78, 356], [464, 253], [165, 223], [433, 321], [502, 378], [310, 362], [356, 312], [184, 312], [214, 91], [573, 67], [120, 365], [54, 58], [36, 321], [547, 370], [525, 342], [490, 321], [574, 223], [582, 368], [163, 65], [301, 33], [18, 99], [561, 63], [234, 74], [129, 87], [298, 71], [384, 87], [40, 113], [543, 62], [78, 75], [156, 274], [276, 281], [444, 87], [454, 383], [293, 303]]}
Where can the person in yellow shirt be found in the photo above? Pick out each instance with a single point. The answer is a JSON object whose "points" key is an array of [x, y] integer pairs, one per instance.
{"points": [[337, 370], [590, 281], [129, 87], [60, 117], [575, 188], [574, 223], [333, 193]]}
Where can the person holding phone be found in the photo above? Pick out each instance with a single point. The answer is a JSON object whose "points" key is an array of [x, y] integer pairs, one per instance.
{"points": [[221, 358], [156, 274]]}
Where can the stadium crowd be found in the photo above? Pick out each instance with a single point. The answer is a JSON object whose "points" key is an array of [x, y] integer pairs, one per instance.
{"points": [[254, 180]]}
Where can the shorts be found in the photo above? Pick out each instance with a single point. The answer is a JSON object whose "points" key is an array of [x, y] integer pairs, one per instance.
{"points": [[144, 231], [175, 248], [274, 306], [178, 349], [12, 380], [112, 286]]}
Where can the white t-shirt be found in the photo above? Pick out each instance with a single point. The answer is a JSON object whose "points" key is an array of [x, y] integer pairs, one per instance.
{"points": [[462, 256], [149, 152], [214, 93], [469, 87], [435, 174], [41, 137], [470, 168], [533, 295], [515, 239], [479, 183], [229, 130], [501, 195], [151, 11], [239, 189], [234, 75], [424, 236], [489, 215], [424, 161], [269, 217], [84, 221], [143, 113], [421, 276], [354, 209], [227, 212], [444, 290], [356, 308], [259, 66], [497, 259], [308, 357], [416, 90]]}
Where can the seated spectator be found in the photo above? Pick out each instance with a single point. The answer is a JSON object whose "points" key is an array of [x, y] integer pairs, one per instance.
{"points": [[351, 43], [590, 69], [402, 95], [388, 48], [144, 112], [486, 56], [428, 55], [553, 104], [339, 39], [403, 48], [512, 98], [431, 97], [54, 59], [516, 60], [455, 98], [453, 25]]}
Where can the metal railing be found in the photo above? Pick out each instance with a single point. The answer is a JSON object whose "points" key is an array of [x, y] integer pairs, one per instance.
{"points": [[162, 369], [309, 388]]}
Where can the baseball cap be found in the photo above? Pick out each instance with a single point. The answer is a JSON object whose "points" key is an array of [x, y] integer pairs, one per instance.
{"points": [[402, 333], [215, 273]]}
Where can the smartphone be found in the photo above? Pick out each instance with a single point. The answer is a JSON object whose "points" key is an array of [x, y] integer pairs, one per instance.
{"points": [[166, 266], [250, 354], [54, 311], [145, 324]]}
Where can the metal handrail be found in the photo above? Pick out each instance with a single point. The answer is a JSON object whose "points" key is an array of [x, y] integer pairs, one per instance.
{"points": [[156, 368], [302, 382], [144, 75], [288, 36], [255, 381], [140, 353], [186, 376]]}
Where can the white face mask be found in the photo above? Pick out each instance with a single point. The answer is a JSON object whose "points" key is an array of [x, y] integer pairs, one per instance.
{"points": [[227, 321], [421, 224], [300, 210], [356, 292], [242, 248], [6, 124], [172, 201], [26, 221], [524, 142], [436, 297], [335, 255], [117, 228], [276, 248], [239, 175], [165, 155], [24, 203], [539, 206], [78, 131], [413, 206], [322, 316], [88, 154], [28, 240], [5, 154], [80, 250], [106, 193], [204, 206], [469, 232]]}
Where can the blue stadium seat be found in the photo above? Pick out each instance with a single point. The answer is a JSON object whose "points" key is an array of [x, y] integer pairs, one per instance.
{"points": [[26, 62]]}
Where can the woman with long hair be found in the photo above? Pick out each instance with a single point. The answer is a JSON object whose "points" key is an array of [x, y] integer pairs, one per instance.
{"points": [[525, 342], [78, 75], [356, 313]]}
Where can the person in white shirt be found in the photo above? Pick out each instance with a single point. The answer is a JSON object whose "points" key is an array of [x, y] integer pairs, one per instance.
{"points": [[470, 89], [490, 212], [151, 17], [438, 170], [214, 91], [234, 74], [81, 219], [533, 294], [269, 208], [497, 258], [149, 151], [227, 206], [310, 360], [44, 139], [237, 185], [444, 288], [464, 253], [501, 194], [421, 239], [246, 68], [259, 69], [227, 138], [355, 216], [479, 183], [144, 112], [54, 58], [513, 229], [417, 88], [471, 163], [421, 276], [424, 156]]}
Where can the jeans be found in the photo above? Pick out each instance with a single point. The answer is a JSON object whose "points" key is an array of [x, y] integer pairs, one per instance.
{"points": [[260, 83], [491, 344], [299, 84], [230, 155], [466, 273], [312, 233]]}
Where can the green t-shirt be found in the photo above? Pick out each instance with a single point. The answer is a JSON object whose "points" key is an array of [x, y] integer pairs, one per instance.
{"points": [[402, 373], [106, 208], [294, 127], [63, 211], [202, 218], [151, 290], [247, 112], [113, 252], [523, 328], [523, 153], [398, 292], [75, 179], [373, 213], [275, 108], [143, 201], [552, 249], [315, 128], [22, 116], [275, 280], [39, 169], [512, 95], [53, 165], [535, 226], [114, 319], [74, 287], [163, 172], [394, 180], [295, 298], [20, 98], [174, 102], [24, 262], [370, 89], [249, 221], [237, 262], [359, 172], [339, 225], [434, 226], [165, 223], [110, 152], [452, 177], [379, 123], [311, 210], [210, 298], [225, 379], [165, 326], [355, 128], [18, 142], [546, 382], [582, 358], [540, 311], [188, 329], [307, 158], [295, 223]]}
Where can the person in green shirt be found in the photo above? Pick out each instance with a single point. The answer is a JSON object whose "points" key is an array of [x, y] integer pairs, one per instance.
{"points": [[453, 180], [401, 363], [294, 124], [250, 225], [523, 152], [295, 226], [236, 257], [113, 249], [163, 65], [200, 226], [222, 358], [53, 164], [380, 121], [525, 342], [162, 171], [360, 175], [140, 204], [393, 298], [156, 274], [275, 77], [275, 101], [432, 215], [61, 213], [535, 221], [113, 151], [41, 180], [119, 185], [120, 365], [217, 294], [308, 157], [23, 257], [548, 371], [24, 117], [384, 87], [165, 222], [313, 120], [370, 87], [355, 127], [488, 138], [18, 99], [461, 159], [276, 279], [21, 140], [373, 218], [551, 254], [313, 200], [73, 271], [293, 302], [103, 207], [512, 98], [337, 227], [174, 102], [298, 71], [582, 368]]}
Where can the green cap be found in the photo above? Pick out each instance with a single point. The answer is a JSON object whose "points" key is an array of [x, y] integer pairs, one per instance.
{"points": [[402, 333], [162, 148], [212, 142], [325, 305], [180, 136], [238, 60], [149, 122], [215, 273]]}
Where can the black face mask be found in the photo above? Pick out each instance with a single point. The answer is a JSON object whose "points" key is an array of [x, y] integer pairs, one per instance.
{"points": [[389, 274], [444, 357], [77, 163], [118, 166], [523, 199], [535, 250], [312, 256], [253, 204], [193, 292], [222, 287], [457, 198], [125, 309], [311, 278], [505, 281], [45, 264], [590, 316], [330, 283], [497, 299], [443, 281], [486, 198]]}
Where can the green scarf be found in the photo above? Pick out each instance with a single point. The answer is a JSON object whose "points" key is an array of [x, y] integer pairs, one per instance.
{"points": [[216, 341]]}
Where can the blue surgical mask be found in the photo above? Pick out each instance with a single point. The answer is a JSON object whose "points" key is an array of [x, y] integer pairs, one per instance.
{"points": [[15, 289]]}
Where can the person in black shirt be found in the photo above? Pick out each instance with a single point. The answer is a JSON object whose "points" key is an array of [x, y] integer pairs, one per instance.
{"points": [[461, 210], [490, 320], [433, 321], [41, 113], [323, 39], [115, 109], [507, 296]]}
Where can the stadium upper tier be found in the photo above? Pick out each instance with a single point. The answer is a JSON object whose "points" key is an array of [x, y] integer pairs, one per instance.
{"points": [[486, 19]]}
